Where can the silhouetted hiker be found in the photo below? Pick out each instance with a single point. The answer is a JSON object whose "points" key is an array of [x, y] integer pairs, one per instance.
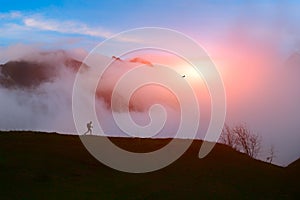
{"points": [[89, 127]]}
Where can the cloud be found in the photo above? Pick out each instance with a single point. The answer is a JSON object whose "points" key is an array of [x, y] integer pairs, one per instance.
{"points": [[38, 22], [16, 24], [16, 51], [141, 60], [68, 27], [10, 15], [46, 104]]}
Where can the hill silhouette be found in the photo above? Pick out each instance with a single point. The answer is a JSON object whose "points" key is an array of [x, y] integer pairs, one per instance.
{"points": [[54, 166], [30, 73]]}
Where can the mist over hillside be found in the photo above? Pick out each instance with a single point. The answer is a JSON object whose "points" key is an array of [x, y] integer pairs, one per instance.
{"points": [[37, 89], [36, 94]]}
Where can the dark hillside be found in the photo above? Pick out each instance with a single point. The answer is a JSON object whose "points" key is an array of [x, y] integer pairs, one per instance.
{"points": [[53, 166]]}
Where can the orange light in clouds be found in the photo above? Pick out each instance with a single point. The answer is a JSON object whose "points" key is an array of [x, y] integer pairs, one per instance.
{"points": [[182, 67], [157, 57]]}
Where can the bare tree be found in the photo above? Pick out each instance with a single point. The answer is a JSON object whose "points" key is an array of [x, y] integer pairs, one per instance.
{"points": [[228, 137], [271, 154], [248, 142], [241, 139]]}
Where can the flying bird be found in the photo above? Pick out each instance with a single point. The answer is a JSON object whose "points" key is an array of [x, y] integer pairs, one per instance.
{"points": [[116, 58]]}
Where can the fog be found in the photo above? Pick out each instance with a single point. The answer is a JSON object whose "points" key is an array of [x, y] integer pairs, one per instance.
{"points": [[263, 93], [261, 77], [47, 105]]}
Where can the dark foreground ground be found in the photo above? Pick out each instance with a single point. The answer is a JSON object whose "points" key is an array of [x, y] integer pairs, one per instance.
{"points": [[52, 166]]}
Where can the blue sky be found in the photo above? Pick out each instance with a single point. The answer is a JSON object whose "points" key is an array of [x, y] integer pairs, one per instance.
{"points": [[84, 23]]}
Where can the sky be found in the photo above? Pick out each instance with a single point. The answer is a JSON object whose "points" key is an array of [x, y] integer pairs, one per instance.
{"points": [[250, 42], [83, 23]]}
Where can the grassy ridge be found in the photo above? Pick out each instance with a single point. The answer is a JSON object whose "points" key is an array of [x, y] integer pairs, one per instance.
{"points": [[53, 166]]}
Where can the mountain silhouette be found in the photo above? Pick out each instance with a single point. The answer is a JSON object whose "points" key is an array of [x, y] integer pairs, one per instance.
{"points": [[31, 73]]}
